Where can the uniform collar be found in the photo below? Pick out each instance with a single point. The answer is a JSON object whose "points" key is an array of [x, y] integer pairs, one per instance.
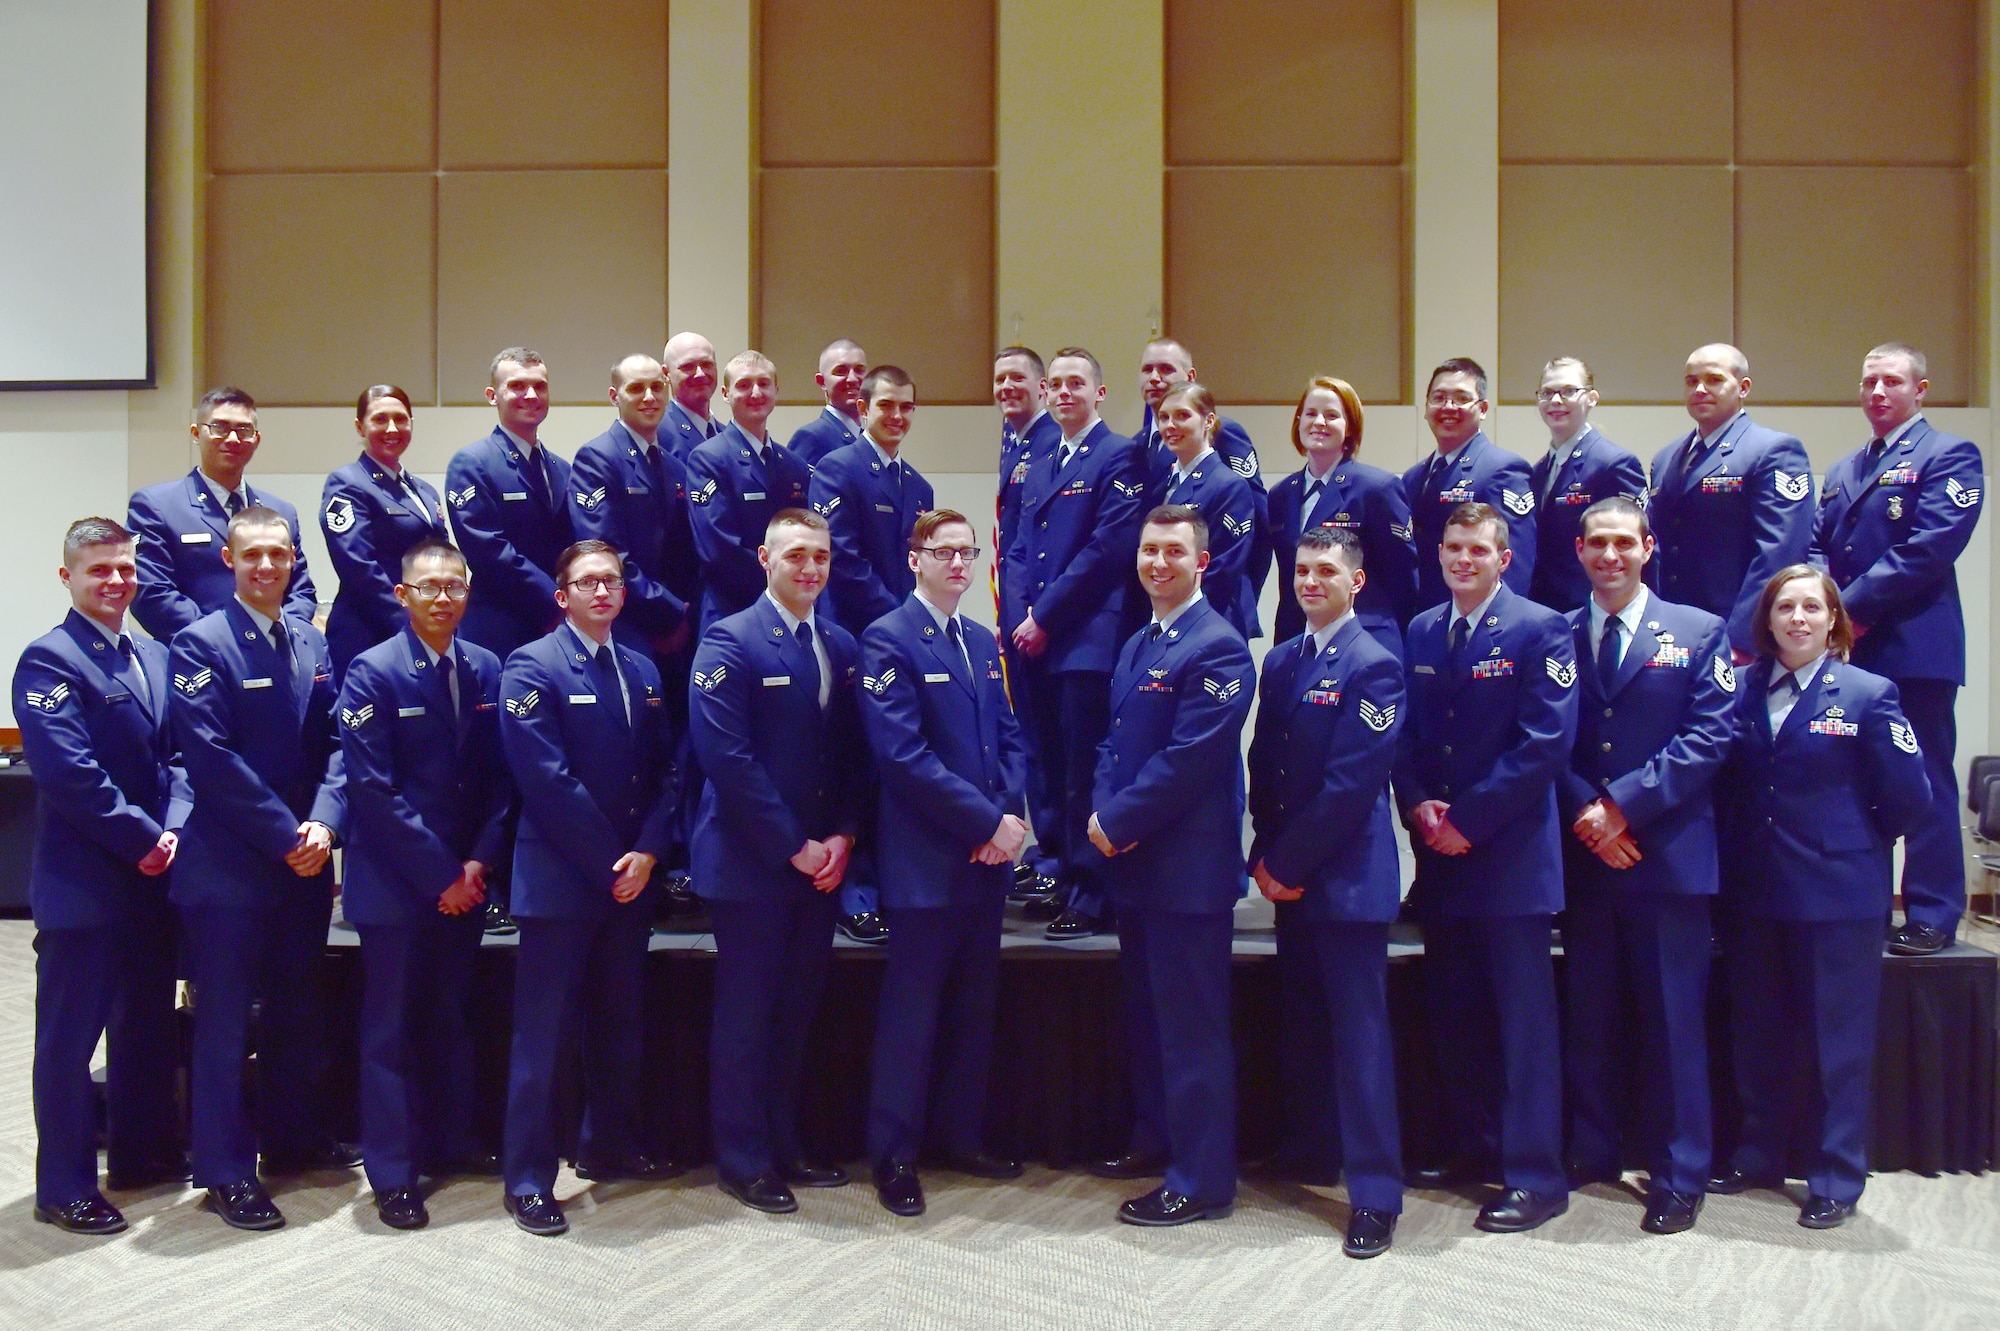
{"points": [[1629, 616], [1704, 440], [1479, 611], [526, 448], [1173, 616], [881, 454], [1321, 637], [943, 620], [792, 621], [842, 419], [242, 490], [258, 617], [1802, 676], [1194, 465], [1895, 436]]}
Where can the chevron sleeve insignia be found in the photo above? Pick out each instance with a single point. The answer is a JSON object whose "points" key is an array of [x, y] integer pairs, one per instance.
{"points": [[1128, 490], [1960, 494], [591, 500], [460, 498], [1222, 691], [1245, 466], [1725, 673], [50, 701], [879, 684], [1378, 719], [195, 683], [710, 682], [1904, 737], [1791, 488], [1403, 531], [525, 704], [1236, 526], [1520, 503], [826, 510], [339, 515], [356, 718], [703, 494], [1562, 672]]}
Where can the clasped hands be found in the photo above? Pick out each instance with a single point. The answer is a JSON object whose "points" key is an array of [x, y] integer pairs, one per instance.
{"points": [[1005, 843], [1433, 824], [1602, 828], [825, 862]]}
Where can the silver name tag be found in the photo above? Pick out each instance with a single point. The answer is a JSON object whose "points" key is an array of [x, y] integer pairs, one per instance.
{"points": [[264, 683], [520, 495], [885, 508], [582, 697], [409, 711], [195, 538], [635, 489], [1425, 670], [937, 679], [773, 681], [753, 494]]}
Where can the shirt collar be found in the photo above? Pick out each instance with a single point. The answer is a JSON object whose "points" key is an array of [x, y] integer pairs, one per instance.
{"points": [[1321, 637], [843, 420], [1173, 615], [431, 652], [221, 495], [881, 453], [1182, 472], [943, 620], [1721, 429], [1479, 612], [1311, 477], [1629, 616], [1803, 675], [699, 426], [519, 442], [792, 621], [263, 621], [1890, 439], [1569, 445], [582, 639], [1080, 435]]}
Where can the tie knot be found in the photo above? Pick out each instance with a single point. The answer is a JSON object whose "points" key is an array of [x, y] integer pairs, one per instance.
{"points": [[1786, 685], [125, 647], [1153, 633], [604, 656], [951, 629], [805, 635], [444, 663]]}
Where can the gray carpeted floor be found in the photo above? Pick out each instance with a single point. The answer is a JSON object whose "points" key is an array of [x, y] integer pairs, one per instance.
{"points": [[1924, 1253]]}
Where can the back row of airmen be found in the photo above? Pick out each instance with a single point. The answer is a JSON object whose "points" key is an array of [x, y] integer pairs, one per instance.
{"points": [[1124, 745]]}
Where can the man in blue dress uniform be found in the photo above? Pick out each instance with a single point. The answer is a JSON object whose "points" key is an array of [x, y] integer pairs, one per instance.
{"points": [[1467, 468], [252, 710], [773, 722], [1580, 468], [587, 738], [1168, 814], [1893, 519], [1492, 717], [689, 360], [91, 702], [949, 825], [428, 798], [736, 481], [842, 367], [182, 525]]}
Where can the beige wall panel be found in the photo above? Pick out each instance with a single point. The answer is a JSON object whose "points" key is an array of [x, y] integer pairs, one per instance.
{"points": [[527, 84], [913, 87], [1615, 80], [1832, 260], [1275, 274], [899, 260], [298, 86], [1626, 266], [319, 285], [1855, 81], [571, 263], [1270, 81]]}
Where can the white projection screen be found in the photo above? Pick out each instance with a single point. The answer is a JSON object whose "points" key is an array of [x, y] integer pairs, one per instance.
{"points": [[73, 209]]}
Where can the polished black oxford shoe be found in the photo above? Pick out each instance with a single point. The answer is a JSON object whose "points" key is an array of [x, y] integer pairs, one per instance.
{"points": [[640, 1168], [402, 1208], [802, 1174], [766, 1193], [1672, 1212], [1825, 1213], [245, 1205], [1163, 1206], [1073, 924], [1369, 1233], [1517, 1210], [498, 922], [1130, 1165], [1918, 940], [537, 1213], [867, 927], [897, 1188], [1736, 1181], [92, 1215]]}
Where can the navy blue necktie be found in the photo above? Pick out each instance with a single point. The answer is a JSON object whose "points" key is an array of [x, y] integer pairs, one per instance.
{"points": [[610, 691], [811, 667], [1455, 644], [1607, 653], [538, 480]]}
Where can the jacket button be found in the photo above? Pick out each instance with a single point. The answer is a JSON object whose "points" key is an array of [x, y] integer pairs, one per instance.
{"points": [[1607, 713], [1117, 721], [1450, 712], [1447, 750], [1045, 524], [1605, 747]]}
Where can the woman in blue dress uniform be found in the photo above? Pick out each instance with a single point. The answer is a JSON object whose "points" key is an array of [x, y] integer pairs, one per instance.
{"points": [[1368, 501], [1824, 774], [372, 512]]}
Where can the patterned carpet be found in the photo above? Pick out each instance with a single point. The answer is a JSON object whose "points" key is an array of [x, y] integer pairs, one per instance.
{"points": [[1924, 1253]]}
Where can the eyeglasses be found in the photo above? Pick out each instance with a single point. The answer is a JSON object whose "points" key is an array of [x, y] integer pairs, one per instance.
{"points": [[1560, 394], [222, 430], [430, 591], [593, 584], [1451, 400], [944, 554]]}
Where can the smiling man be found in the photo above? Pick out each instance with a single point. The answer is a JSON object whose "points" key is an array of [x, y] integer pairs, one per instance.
{"points": [[689, 361], [1580, 468], [1467, 468], [842, 367], [737, 481]]}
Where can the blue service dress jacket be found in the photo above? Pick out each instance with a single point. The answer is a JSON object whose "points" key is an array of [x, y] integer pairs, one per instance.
{"points": [[1729, 519], [869, 517], [1170, 773], [949, 753], [427, 784], [595, 779], [1369, 502], [511, 538], [1325, 743], [680, 432], [107, 781], [1017, 451], [1233, 442], [1480, 472], [260, 739], [181, 531], [1231, 509], [634, 498], [1595, 469], [821, 435], [1491, 737], [780, 769], [1652, 743], [734, 495], [1074, 545], [370, 519], [1890, 532]]}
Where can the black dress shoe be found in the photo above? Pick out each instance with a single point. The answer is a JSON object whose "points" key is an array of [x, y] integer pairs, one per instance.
{"points": [[537, 1213], [1369, 1232], [864, 928], [245, 1205], [1735, 1181], [803, 1175], [402, 1208], [155, 1174], [1439, 1176], [766, 1192], [1163, 1206], [1030, 886], [333, 1155], [1043, 908], [981, 1165], [498, 922], [92, 1215], [1128, 1166], [680, 895], [1072, 924], [637, 1168], [1824, 1212], [1517, 1210], [1671, 1212], [1918, 940], [898, 1189]]}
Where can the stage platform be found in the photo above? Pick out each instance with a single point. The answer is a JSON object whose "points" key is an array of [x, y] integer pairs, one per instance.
{"points": [[1059, 1092]]}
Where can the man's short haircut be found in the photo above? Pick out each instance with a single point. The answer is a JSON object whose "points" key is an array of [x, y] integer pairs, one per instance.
{"points": [[793, 517], [746, 362], [1079, 353], [522, 356], [1620, 506], [1479, 515], [1174, 515], [1198, 397], [840, 346], [1840, 632], [1459, 365], [1570, 363], [86, 532], [1333, 538], [1350, 406], [433, 547], [579, 550], [224, 396], [1733, 358], [893, 375], [1164, 342], [927, 525], [256, 516], [618, 379], [1919, 362], [374, 391], [1041, 370]]}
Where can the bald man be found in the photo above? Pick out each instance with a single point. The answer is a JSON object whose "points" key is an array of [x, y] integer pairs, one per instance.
{"points": [[842, 366], [689, 362]]}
